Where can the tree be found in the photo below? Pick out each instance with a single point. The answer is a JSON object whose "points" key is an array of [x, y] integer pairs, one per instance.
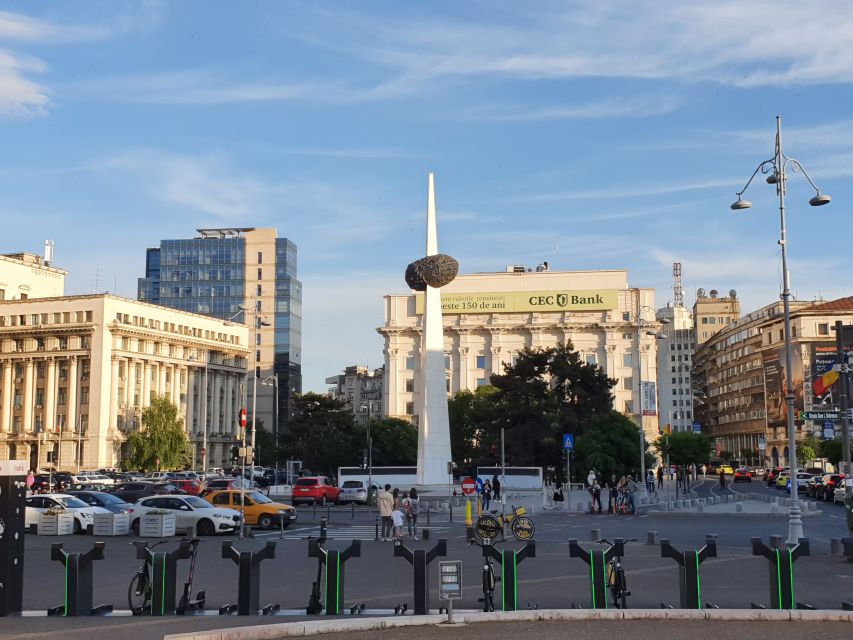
{"points": [[470, 412], [807, 449], [610, 444], [162, 437], [395, 442], [832, 450], [684, 448]]}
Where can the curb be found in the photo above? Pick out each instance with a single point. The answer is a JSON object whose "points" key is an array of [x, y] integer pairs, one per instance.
{"points": [[294, 629]]}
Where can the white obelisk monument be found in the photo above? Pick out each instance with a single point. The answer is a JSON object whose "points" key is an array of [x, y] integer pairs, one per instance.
{"points": [[433, 420]]}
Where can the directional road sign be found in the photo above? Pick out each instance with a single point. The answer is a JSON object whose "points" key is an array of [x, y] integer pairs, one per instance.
{"points": [[820, 415]]}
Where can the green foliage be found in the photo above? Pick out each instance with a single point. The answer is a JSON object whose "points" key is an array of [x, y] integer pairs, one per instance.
{"points": [[683, 448], [470, 413], [395, 442], [610, 444], [832, 450], [726, 455], [162, 437], [807, 449], [265, 447]]}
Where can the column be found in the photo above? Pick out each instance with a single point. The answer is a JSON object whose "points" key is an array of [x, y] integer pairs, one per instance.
{"points": [[131, 384], [71, 395], [8, 398], [146, 384], [28, 396], [114, 394], [229, 405], [161, 388], [190, 401], [464, 367], [215, 425], [50, 395], [392, 377], [175, 393]]}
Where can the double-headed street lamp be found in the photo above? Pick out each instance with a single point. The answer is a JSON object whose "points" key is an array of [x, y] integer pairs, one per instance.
{"points": [[273, 380], [777, 167], [365, 406], [640, 333]]}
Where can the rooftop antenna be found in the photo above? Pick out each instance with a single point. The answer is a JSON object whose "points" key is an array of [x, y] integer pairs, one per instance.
{"points": [[48, 252], [677, 291], [97, 280]]}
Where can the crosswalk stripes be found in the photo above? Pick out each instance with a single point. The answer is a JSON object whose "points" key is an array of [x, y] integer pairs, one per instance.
{"points": [[353, 532]]}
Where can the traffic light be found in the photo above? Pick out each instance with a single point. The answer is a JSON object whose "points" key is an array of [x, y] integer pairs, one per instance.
{"points": [[235, 454]]}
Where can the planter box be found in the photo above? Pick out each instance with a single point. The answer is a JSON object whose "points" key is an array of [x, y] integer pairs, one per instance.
{"points": [[112, 524], [58, 525], [156, 526]]}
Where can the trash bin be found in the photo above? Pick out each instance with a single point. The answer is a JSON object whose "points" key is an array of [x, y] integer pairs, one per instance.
{"points": [[371, 495], [848, 507]]}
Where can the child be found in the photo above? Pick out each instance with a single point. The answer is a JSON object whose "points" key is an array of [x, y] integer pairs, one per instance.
{"points": [[397, 518]]}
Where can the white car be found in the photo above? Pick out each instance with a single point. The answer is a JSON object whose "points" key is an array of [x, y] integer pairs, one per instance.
{"points": [[84, 515], [162, 476], [96, 478], [189, 511]]}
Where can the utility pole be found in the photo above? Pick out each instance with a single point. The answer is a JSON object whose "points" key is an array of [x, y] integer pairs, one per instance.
{"points": [[843, 381]]}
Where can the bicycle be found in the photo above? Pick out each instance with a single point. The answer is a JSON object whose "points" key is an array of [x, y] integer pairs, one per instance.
{"points": [[140, 588], [492, 523], [617, 585], [490, 580]]}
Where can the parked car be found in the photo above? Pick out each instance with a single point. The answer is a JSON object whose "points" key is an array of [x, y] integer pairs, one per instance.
{"points": [[219, 484], [189, 511], [87, 486], [839, 494], [829, 483], [742, 475], [782, 479], [354, 491], [43, 483], [157, 475], [813, 485], [725, 468], [191, 487], [95, 477], [133, 491], [802, 480], [771, 475], [316, 489], [108, 501], [84, 515], [258, 509]]}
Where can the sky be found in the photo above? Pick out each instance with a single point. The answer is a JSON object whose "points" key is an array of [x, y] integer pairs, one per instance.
{"points": [[590, 134]]}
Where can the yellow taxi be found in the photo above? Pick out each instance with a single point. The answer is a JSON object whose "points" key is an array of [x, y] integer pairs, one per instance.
{"points": [[727, 469], [258, 509]]}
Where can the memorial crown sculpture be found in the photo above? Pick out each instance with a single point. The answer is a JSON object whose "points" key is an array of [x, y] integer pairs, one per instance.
{"points": [[435, 271]]}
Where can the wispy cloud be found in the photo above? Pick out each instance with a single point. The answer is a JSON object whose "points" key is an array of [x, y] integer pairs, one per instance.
{"points": [[634, 191], [22, 28], [609, 108], [20, 96]]}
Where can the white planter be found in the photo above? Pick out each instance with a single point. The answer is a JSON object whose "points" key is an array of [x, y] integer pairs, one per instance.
{"points": [[157, 526], [112, 524], [58, 525]]}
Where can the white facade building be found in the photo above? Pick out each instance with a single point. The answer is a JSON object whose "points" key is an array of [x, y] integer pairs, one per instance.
{"points": [[26, 275], [675, 358], [489, 317], [76, 373]]}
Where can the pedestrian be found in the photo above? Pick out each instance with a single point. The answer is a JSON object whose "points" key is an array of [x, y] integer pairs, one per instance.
{"points": [[397, 521], [412, 507], [487, 494], [632, 489], [650, 481], [31, 478], [612, 493], [496, 488], [386, 505], [660, 477], [722, 478], [396, 496], [590, 478], [596, 495]]}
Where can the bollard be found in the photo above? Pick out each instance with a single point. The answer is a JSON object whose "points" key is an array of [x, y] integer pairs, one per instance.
{"points": [[425, 533], [376, 535], [420, 559], [334, 560], [509, 559], [352, 510], [597, 561], [781, 570], [163, 575], [78, 581], [689, 584], [328, 512], [739, 508], [835, 547], [652, 537], [595, 535], [428, 510], [249, 578]]}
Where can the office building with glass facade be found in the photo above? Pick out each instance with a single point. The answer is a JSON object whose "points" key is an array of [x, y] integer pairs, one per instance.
{"points": [[244, 275]]}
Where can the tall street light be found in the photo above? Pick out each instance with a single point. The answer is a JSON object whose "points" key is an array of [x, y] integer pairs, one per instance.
{"points": [[273, 380], [643, 491], [777, 167], [257, 323], [365, 406], [195, 358]]}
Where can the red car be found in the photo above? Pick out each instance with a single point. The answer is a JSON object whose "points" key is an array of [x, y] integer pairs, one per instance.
{"points": [[831, 482], [743, 474], [191, 487], [316, 489]]}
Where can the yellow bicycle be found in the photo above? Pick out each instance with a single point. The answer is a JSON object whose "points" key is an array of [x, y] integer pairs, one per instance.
{"points": [[491, 525]]}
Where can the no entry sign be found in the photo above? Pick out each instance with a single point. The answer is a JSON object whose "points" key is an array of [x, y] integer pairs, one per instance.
{"points": [[469, 486]]}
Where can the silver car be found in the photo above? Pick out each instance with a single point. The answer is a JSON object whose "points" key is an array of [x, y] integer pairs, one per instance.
{"points": [[353, 491]]}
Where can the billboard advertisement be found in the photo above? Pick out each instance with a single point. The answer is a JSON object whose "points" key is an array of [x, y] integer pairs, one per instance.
{"points": [[824, 356], [775, 383], [650, 402], [525, 301]]}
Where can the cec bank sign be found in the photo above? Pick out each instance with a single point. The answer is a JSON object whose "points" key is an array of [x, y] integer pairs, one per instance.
{"points": [[525, 301]]}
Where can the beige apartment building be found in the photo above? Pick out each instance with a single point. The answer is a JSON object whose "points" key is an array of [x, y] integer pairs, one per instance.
{"points": [[711, 313], [490, 317], [740, 377], [78, 371], [360, 388], [27, 275]]}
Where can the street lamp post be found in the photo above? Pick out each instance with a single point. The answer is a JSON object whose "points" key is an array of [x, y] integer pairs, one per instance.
{"points": [[777, 167], [640, 322], [273, 380], [203, 413], [366, 405]]}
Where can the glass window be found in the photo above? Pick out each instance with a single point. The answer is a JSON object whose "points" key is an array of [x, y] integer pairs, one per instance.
{"points": [[591, 359], [481, 362], [410, 363], [260, 257], [481, 382], [627, 359], [410, 385], [823, 329], [628, 383]]}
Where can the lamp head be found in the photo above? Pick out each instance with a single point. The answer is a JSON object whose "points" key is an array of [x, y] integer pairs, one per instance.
{"points": [[740, 204], [820, 199], [772, 178]]}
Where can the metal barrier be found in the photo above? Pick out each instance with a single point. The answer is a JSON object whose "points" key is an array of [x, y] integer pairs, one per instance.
{"points": [[509, 559], [249, 579], [597, 560], [689, 582], [163, 574], [79, 582], [334, 560], [781, 572], [420, 559]]}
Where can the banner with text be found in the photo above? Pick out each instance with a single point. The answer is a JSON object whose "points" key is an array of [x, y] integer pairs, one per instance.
{"points": [[525, 301], [650, 399]]}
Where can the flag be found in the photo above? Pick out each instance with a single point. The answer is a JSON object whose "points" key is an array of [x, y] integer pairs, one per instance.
{"points": [[822, 384]]}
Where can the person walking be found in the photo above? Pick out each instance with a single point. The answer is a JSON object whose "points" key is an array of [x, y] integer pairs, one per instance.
{"points": [[411, 507], [487, 494], [660, 477], [722, 478], [595, 490], [650, 481], [632, 488], [386, 506], [496, 488], [612, 493], [590, 478]]}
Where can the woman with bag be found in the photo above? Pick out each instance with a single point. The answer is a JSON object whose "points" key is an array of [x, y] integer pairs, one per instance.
{"points": [[487, 494], [412, 507]]}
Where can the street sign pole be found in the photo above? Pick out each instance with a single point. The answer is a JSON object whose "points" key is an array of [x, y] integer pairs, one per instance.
{"points": [[845, 418]]}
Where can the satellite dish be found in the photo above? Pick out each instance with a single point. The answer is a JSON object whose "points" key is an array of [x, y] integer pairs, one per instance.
{"points": [[732, 293], [700, 293], [714, 293]]}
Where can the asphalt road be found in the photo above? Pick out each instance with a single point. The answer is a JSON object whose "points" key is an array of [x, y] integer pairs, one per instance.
{"points": [[380, 581]]}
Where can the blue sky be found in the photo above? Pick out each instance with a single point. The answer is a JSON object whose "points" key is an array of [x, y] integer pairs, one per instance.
{"points": [[589, 134]]}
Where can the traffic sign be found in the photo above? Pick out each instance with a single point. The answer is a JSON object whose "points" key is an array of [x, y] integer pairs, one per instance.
{"points": [[762, 443], [469, 486], [820, 415], [828, 430], [243, 417], [479, 485], [697, 427], [568, 441]]}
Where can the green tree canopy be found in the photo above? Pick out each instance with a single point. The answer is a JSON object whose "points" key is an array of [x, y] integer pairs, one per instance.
{"points": [[395, 442], [610, 444], [807, 449], [832, 450], [683, 448], [162, 437]]}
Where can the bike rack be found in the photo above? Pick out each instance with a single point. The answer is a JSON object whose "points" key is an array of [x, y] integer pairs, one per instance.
{"points": [[163, 575], [249, 580], [597, 561], [334, 560], [689, 584], [509, 559], [781, 572], [420, 559], [78, 581]]}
